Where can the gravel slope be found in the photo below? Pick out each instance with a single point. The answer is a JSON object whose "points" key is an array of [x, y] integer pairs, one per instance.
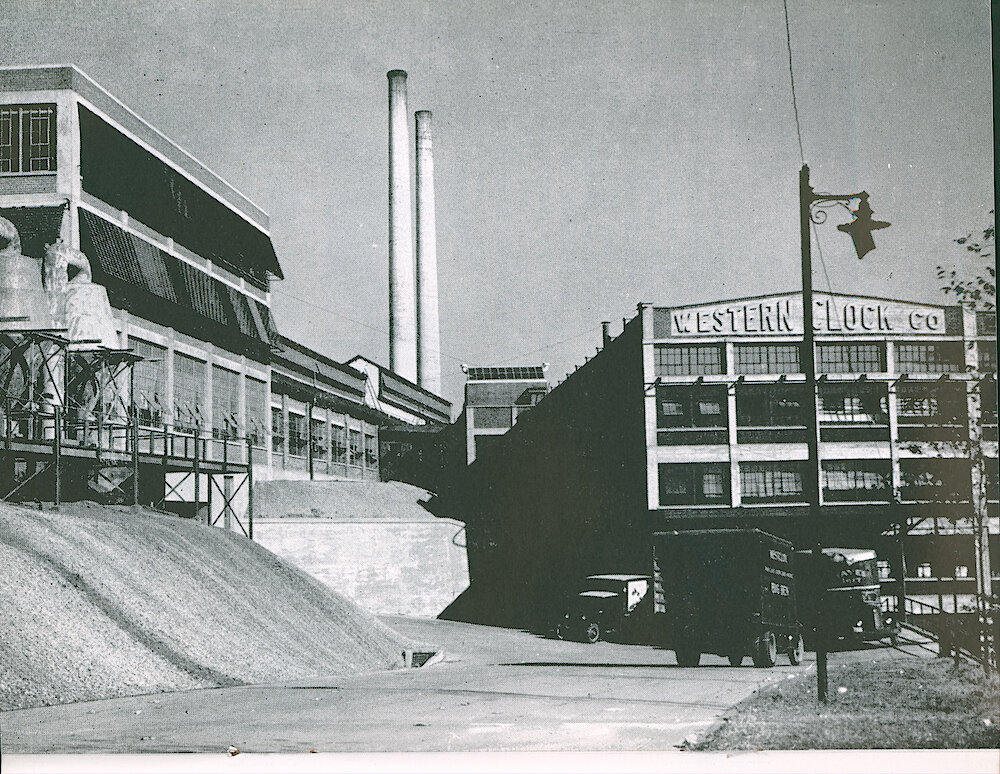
{"points": [[98, 602], [341, 500]]}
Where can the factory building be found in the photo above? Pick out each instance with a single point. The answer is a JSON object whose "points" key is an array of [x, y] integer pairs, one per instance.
{"points": [[693, 417], [129, 250], [495, 396]]}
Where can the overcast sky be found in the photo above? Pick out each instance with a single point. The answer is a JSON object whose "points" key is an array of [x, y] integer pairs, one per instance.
{"points": [[588, 156]]}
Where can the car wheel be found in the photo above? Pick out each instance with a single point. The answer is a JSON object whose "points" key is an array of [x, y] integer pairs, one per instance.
{"points": [[765, 650], [687, 656], [593, 633], [736, 658], [796, 652]]}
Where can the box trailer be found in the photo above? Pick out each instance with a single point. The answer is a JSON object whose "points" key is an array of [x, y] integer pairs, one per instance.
{"points": [[730, 592]]}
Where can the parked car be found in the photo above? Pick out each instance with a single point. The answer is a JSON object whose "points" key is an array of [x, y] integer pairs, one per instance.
{"points": [[607, 605]]}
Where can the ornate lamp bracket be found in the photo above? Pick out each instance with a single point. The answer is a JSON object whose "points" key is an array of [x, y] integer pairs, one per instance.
{"points": [[819, 203]]}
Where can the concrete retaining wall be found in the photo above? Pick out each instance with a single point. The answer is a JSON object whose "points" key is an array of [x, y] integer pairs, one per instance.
{"points": [[404, 567]]}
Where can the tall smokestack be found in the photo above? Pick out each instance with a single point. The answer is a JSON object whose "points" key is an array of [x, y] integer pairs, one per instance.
{"points": [[428, 329], [402, 295]]}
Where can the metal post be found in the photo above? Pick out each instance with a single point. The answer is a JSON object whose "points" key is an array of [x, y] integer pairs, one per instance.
{"points": [[57, 451], [197, 476], [134, 421], [250, 487], [309, 436], [812, 424], [6, 422]]}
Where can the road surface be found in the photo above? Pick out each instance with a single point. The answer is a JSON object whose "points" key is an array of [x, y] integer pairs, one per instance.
{"points": [[494, 690]]}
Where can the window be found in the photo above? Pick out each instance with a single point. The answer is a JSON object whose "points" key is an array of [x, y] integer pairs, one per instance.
{"points": [[935, 480], [986, 323], [339, 444], [771, 481], [856, 480], [767, 359], [688, 359], [357, 448], [225, 403], [371, 451], [297, 438], [277, 431], [27, 139], [921, 403], [939, 357], [189, 392], [987, 356], [884, 571], [961, 571], [992, 471], [318, 439], [256, 403], [771, 405], [924, 570], [853, 402], [697, 405], [850, 358], [149, 381], [694, 484], [491, 417]]}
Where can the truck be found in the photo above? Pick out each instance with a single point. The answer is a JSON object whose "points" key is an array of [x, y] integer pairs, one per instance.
{"points": [[730, 592], [618, 605], [849, 580]]}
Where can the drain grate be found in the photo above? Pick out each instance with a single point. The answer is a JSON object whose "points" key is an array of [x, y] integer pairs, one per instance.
{"points": [[417, 658]]}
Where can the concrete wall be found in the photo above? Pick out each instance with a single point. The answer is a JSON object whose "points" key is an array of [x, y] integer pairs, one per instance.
{"points": [[403, 567]]}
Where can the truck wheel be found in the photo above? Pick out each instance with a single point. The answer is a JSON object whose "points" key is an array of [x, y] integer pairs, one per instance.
{"points": [[796, 652], [687, 656], [736, 658], [593, 633], [765, 651]]}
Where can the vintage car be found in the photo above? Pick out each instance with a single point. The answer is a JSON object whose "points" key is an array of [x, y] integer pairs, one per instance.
{"points": [[616, 605]]}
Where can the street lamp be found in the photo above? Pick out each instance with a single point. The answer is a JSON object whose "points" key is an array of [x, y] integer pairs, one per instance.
{"points": [[812, 209]]}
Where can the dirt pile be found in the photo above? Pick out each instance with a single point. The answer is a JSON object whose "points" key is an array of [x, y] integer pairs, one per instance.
{"points": [[98, 602], [341, 500]]}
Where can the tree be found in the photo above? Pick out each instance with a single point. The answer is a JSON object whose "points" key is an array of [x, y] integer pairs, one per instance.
{"points": [[979, 291]]}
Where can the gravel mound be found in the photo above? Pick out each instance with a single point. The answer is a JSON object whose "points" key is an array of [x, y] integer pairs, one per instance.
{"points": [[341, 500], [99, 601]]}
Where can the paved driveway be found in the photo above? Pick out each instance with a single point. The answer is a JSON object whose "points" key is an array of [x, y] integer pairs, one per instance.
{"points": [[495, 690]]}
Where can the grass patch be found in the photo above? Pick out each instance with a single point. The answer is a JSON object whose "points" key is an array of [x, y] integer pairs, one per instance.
{"points": [[880, 705]]}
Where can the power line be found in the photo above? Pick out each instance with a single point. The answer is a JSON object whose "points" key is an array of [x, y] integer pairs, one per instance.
{"points": [[791, 77]]}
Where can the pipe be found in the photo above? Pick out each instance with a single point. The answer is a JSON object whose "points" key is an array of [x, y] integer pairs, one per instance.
{"points": [[428, 327], [402, 292], [605, 333]]}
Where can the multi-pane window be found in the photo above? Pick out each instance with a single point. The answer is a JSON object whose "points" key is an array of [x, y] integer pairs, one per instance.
{"points": [[491, 416], [924, 570], [691, 406], [771, 405], [922, 403], [298, 435], [339, 444], [225, 403], [767, 359], [935, 480], [27, 139], [850, 358], [688, 359], [357, 448], [371, 451], [694, 484], [987, 356], [986, 323], [992, 474], [277, 430], [771, 481], [961, 571], [256, 405], [189, 392], [149, 381], [856, 480], [853, 402], [318, 439], [933, 357], [884, 570]]}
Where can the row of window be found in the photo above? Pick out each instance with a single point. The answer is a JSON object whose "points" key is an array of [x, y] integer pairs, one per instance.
{"points": [[922, 480], [784, 404], [187, 405], [860, 358], [325, 442], [27, 139]]}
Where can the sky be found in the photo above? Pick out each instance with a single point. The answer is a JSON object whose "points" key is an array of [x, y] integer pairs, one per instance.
{"points": [[588, 155]]}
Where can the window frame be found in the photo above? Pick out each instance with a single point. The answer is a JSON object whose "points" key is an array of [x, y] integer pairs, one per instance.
{"points": [[16, 135]]}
